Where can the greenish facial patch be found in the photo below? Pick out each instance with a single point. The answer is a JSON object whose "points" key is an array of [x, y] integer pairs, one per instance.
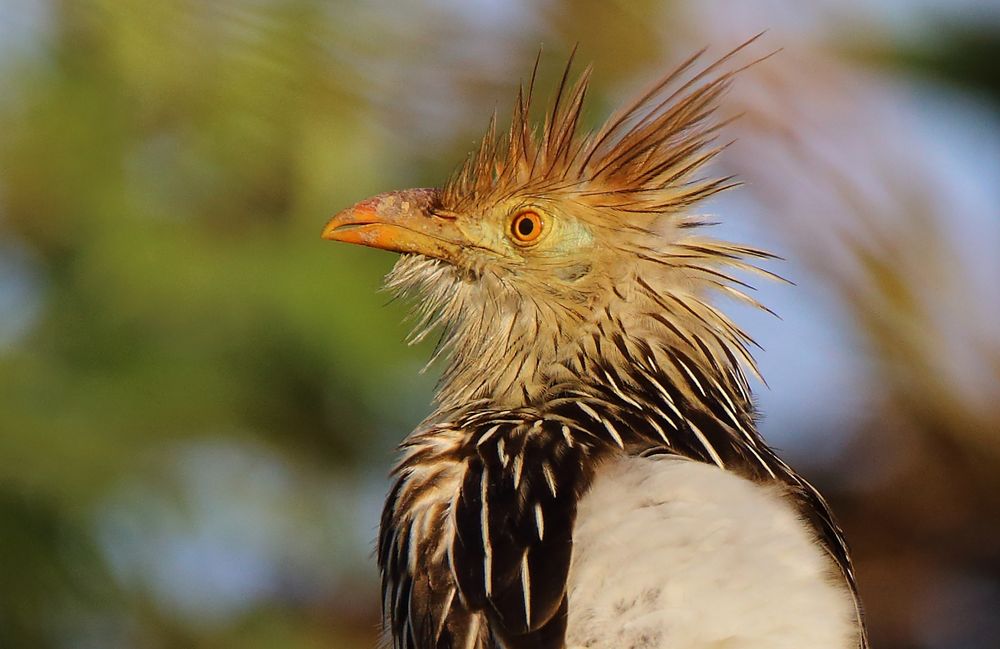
{"points": [[570, 236]]}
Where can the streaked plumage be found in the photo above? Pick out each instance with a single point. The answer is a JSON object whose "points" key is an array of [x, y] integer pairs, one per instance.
{"points": [[574, 351]]}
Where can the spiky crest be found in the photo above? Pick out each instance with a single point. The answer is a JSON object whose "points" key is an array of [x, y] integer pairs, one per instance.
{"points": [[643, 159]]}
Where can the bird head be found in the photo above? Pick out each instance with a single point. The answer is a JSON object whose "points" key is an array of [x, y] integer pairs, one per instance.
{"points": [[546, 234]]}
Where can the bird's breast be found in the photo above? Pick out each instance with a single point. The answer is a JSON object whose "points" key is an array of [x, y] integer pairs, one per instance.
{"points": [[668, 552]]}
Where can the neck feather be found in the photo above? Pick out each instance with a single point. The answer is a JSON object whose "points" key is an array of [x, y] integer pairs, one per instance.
{"points": [[506, 350]]}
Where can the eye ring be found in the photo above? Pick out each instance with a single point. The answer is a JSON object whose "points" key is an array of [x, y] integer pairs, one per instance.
{"points": [[526, 227]]}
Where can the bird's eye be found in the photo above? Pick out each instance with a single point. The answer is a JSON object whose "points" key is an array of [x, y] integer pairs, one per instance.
{"points": [[526, 227]]}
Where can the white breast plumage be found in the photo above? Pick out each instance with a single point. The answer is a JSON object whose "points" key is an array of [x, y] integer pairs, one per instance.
{"points": [[671, 553]]}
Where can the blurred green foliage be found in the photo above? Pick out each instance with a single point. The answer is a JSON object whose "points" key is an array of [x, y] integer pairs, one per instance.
{"points": [[963, 54], [166, 169]]}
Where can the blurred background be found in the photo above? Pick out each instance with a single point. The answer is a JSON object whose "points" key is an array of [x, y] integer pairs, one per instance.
{"points": [[199, 398]]}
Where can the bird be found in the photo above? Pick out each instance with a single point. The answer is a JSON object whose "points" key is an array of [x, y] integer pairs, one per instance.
{"points": [[592, 474]]}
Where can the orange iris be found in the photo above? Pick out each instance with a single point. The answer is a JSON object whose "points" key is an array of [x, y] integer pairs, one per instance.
{"points": [[526, 226]]}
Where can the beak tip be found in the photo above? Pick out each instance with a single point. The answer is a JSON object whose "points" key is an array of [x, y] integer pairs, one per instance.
{"points": [[328, 230], [345, 217]]}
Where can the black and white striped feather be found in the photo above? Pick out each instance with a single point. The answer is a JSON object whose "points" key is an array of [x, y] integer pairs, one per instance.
{"points": [[484, 562]]}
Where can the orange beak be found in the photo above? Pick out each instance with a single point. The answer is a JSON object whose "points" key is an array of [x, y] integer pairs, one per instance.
{"points": [[401, 221]]}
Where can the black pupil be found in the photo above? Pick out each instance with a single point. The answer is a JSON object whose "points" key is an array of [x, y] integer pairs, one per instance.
{"points": [[525, 226]]}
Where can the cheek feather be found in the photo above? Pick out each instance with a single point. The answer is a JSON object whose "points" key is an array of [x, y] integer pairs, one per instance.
{"points": [[574, 272]]}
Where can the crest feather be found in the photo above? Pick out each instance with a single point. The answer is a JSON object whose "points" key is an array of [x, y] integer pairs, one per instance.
{"points": [[643, 159]]}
